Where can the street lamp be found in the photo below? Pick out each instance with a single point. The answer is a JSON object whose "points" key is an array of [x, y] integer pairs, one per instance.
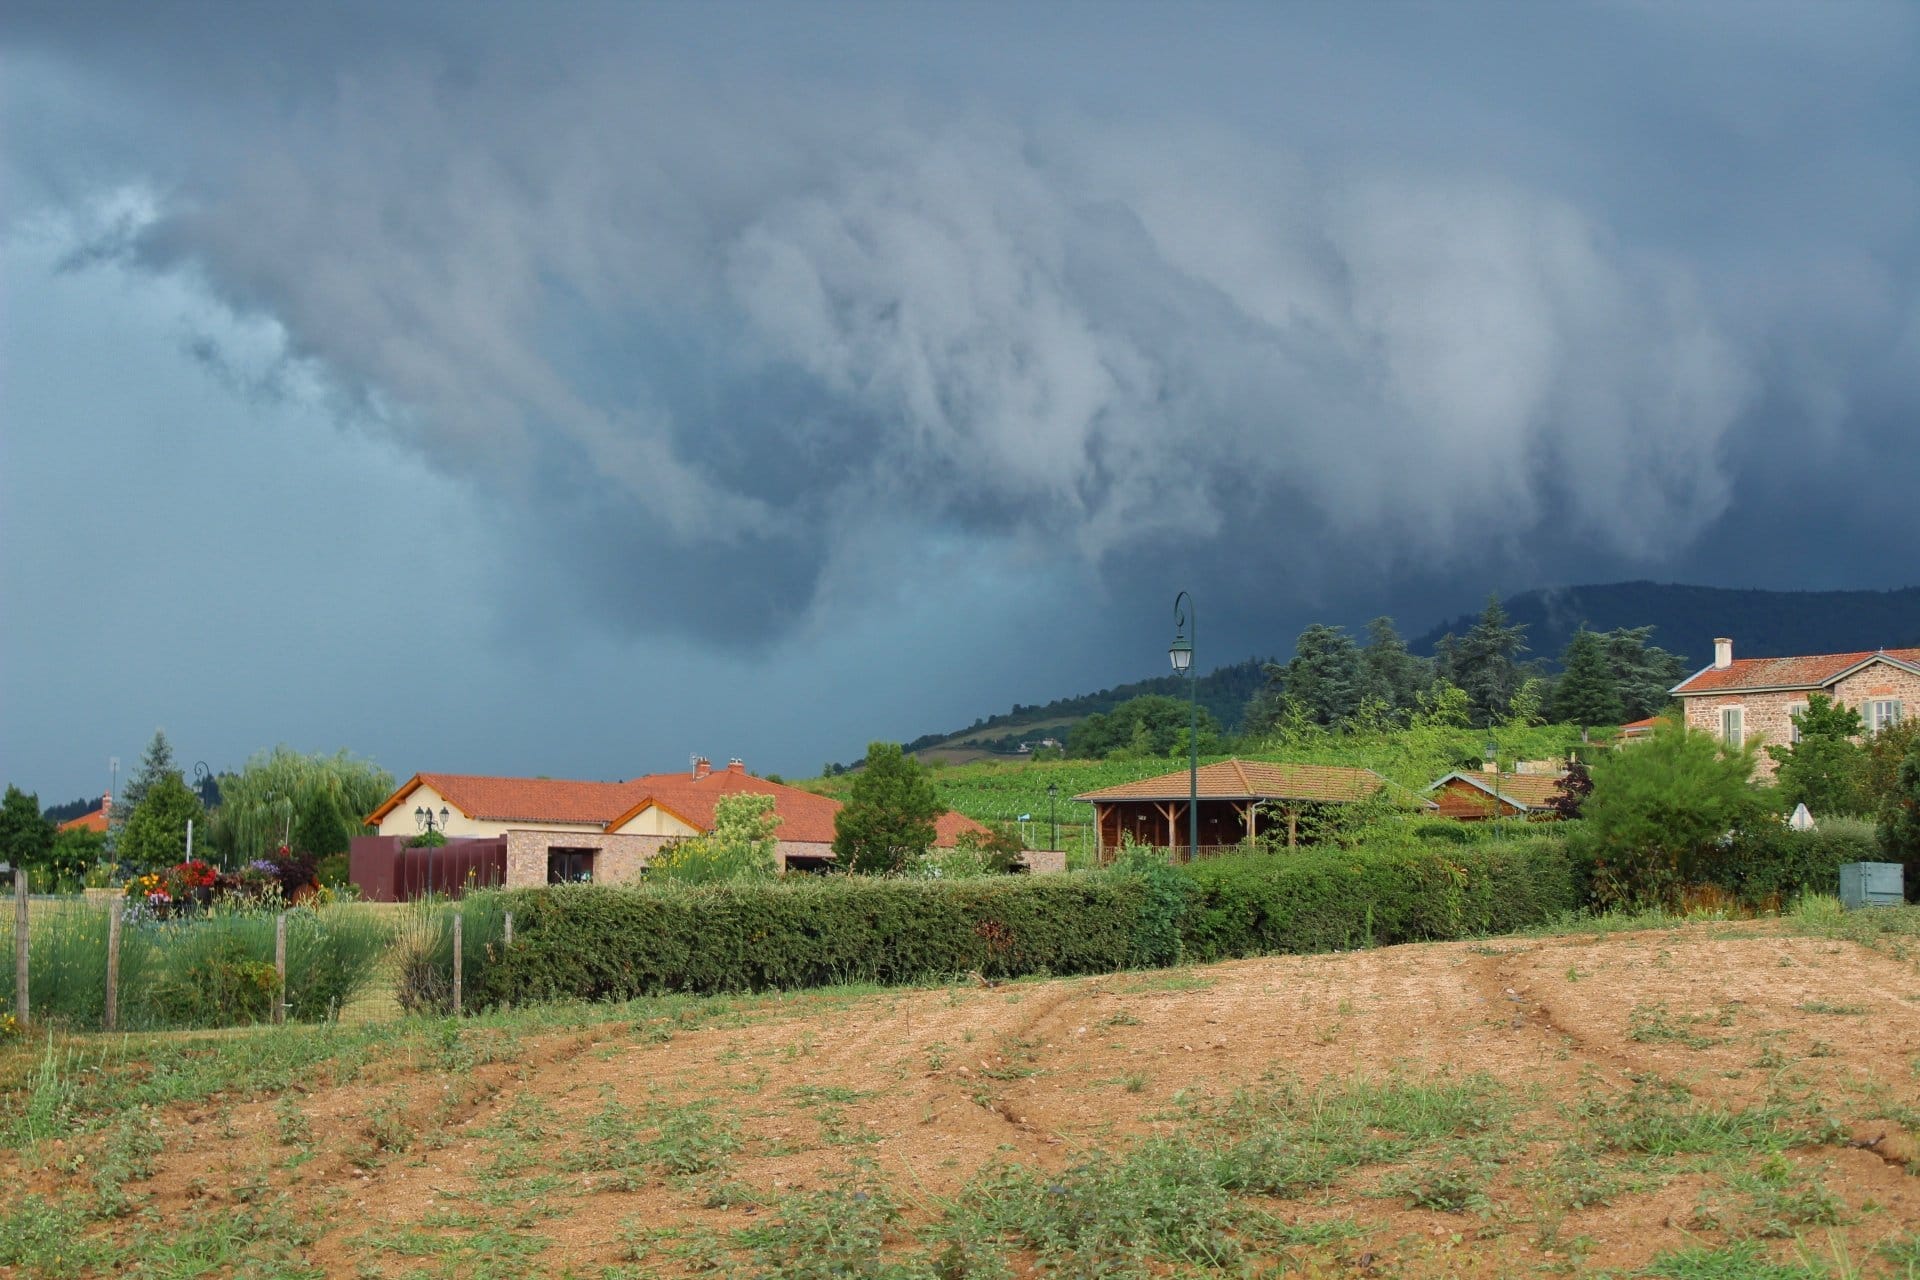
{"points": [[1053, 813], [1185, 628], [1492, 757], [423, 818]]}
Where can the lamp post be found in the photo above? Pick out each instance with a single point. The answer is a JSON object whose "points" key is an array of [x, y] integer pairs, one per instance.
{"points": [[423, 818], [1185, 628], [1053, 813], [1492, 754]]}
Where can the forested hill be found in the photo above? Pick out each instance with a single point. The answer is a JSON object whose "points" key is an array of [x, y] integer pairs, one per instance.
{"points": [[1763, 624], [1223, 692]]}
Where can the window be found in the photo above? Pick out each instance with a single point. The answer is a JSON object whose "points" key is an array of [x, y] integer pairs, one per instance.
{"points": [[1880, 713], [1733, 726], [1794, 711], [570, 866]]}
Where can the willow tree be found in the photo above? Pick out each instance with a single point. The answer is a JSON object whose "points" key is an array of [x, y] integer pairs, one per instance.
{"points": [[311, 803]]}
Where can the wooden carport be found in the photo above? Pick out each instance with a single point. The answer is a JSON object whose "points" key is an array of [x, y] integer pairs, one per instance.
{"points": [[1153, 811]]}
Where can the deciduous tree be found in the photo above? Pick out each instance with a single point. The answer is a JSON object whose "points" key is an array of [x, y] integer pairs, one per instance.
{"points": [[26, 838], [156, 831], [1826, 769]]}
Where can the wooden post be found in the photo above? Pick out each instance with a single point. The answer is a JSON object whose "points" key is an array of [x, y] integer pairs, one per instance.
{"points": [[280, 967], [21, 952], [113, 963], [509, 940], [456, 964]]}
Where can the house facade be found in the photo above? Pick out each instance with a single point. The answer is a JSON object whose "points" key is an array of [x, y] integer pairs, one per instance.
{"points": [[1749, 700], [556, 831], [1480, 795]]}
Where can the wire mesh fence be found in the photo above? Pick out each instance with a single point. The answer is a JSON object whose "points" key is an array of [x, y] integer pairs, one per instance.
{"points": [[97, 962]]}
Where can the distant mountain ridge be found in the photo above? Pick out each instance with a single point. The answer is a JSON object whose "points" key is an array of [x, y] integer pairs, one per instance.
{"points": [[1685, 619]]}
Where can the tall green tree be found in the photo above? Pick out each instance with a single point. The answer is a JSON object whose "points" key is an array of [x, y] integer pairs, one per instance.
{"points": [[1659, 814], [156, 831], [1389, 674], [1900, 820], [1486, 663], [1826, 770], [313, 802], [1324, 676], [1643, 673], [155, 763], [889, 815], [1588, 693], [26, 838]]}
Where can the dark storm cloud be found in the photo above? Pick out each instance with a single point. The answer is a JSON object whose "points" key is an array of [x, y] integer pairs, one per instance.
{"points": [[716, 301]]}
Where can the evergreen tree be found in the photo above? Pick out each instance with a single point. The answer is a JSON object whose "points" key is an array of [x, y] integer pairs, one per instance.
{"points": [[1324, 676], [156, 831], [1588, 692], [1486, 663], [889, 816], [1826, 770], [1390, 674], [26, 838], [1642, 672], [155, 764]]}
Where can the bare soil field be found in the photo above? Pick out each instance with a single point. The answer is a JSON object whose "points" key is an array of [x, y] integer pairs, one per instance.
{"points": [[1699, 1101]]}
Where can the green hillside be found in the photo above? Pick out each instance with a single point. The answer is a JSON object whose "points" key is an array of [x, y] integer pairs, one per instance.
{"points": [[1763, 624]]}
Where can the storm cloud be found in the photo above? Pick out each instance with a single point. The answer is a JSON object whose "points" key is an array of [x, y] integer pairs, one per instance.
{"points": [[743, 306]]}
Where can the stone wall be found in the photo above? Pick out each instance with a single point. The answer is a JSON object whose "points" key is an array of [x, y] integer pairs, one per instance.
{"points": [[616, 859]]}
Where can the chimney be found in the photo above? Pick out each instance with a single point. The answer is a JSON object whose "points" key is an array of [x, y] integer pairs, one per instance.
{"points": [[701, 767], [106, 805], [736, 765], [1722, 653]]}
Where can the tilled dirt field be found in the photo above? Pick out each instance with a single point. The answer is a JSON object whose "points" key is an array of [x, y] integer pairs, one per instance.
{"points": [[1702, 1101]]}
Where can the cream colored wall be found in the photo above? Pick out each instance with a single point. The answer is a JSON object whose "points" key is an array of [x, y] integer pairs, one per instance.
{"points": [[655, 821], [400, 822]]}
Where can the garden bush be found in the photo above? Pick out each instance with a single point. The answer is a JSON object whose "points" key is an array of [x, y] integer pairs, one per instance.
{"points": [[1769, 864], [600, 942]]}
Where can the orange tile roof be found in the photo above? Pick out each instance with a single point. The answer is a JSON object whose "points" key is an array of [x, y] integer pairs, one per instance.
{"points": [[1810, 672], [95, 821], [1532, 790], [804, 816], [1634, 725], [1251, 780]]}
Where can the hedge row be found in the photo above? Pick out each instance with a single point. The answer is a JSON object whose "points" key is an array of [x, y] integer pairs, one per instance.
{"points": [[598, 943]]}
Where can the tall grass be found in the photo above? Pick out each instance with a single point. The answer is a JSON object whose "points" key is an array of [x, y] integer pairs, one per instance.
{"points": [[210, 969]]}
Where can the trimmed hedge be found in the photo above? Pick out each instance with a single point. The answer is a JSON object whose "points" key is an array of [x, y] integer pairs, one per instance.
{"points": [[607, 943]]}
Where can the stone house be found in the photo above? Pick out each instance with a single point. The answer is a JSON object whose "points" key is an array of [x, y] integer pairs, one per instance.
{"points": [[1747, 700], [556, 831]]}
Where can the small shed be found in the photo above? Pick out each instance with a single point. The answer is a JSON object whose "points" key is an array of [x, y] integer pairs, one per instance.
{"points": [[1475, 795], [1238, 800]]}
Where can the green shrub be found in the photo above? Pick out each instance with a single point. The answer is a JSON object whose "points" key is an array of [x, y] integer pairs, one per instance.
{"points": [[600, 942], [1769, 864], [218, 983]]}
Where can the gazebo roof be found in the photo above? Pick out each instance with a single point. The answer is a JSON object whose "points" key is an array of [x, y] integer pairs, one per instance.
{"points": [[1251, 780]]}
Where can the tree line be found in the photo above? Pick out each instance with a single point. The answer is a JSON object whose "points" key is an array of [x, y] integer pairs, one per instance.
{"points": [[1485, 676]]}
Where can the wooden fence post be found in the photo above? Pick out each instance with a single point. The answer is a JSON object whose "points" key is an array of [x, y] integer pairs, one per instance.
{"points": [[280, 967], [113, 963], [509, 939], [20, 947], [456, 963]]}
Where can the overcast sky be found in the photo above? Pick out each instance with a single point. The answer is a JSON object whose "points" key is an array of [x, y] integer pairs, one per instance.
{"points": [[568, 389]]}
